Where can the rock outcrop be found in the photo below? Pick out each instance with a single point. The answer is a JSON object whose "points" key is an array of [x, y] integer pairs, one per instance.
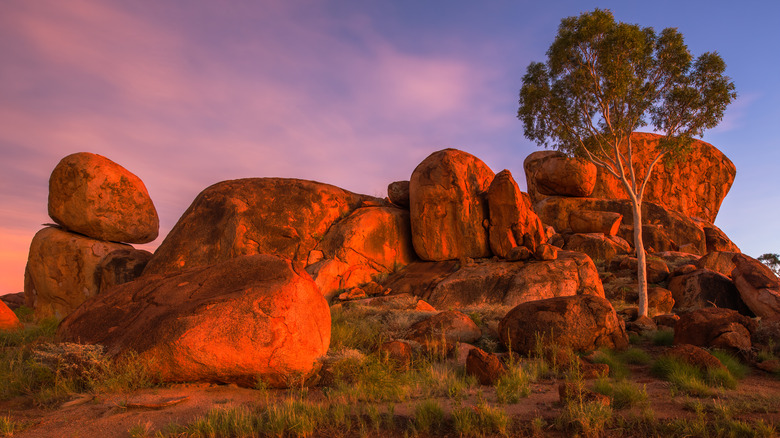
{"points": [[705, 288], [552, 173], [758, 286], [582, 322], [715, 327], [512, 219], [512, 283], [233, 322], [694, 186], [278, 216], [92, 195], [398, 193], [452, 326], [448, 206], [121, 266], [64, 270], [369, 242]]}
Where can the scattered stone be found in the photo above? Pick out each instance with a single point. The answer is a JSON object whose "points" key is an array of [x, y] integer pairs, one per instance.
{"points": [[598, 246], [660, 299], [486, 367], [582, 322], [715, 327], [448, 206], [545, 252], [234, 322], [519, 254], [683, 270], [771, 366], [451, 325], [392, 302], [641, 325], [94, 196], [695, 356]]}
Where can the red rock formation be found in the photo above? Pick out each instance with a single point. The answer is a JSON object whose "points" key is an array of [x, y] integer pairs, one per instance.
{"points": [[597, 246], [246, 318], [587, 221], [278, 216], [63, 270], [705, 288], [448, 206], [486, 367], [582, 322], [94, 196], [564, 176], [512, 219], [8, 319], [452, 326], [715, 327], [758, 286], [695, 356], [398, 193]]}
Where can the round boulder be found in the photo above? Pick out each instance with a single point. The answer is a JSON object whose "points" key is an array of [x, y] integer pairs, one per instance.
{"points": [[94, 196], [8, 319], [448, 206], [583, 322], [566, 176], [234, 322]]}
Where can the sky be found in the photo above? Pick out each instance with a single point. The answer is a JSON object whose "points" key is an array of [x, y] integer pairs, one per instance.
{"points": [[353, 93]]}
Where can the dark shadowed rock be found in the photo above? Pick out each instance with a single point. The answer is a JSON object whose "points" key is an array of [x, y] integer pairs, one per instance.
{"points": [[448, 206], [758, 286], [13, 301], [486, 367], [597, 246], [705, 288], [94, 196], [121, 266], [398, 193], [583, 322], [233, 322], [695, 356], [718, 261], [715, 327]]}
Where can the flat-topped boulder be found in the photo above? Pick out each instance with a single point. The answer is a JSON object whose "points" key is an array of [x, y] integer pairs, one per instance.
{"points": [[94, 196], [236, 321], [448, 206], [278, 216]]}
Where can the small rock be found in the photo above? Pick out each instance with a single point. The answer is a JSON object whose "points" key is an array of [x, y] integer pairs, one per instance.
{"points": [[486, 367]]}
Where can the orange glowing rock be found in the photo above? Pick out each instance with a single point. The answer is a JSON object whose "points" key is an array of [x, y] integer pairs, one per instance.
{"points": [[8, 319], [246, 318], [512, 219], [94, 196]]}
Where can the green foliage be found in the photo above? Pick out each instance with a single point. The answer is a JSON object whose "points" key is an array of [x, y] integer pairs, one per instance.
{"points": [[772, 261], [692, 380], [624, 394], [663, 338], [480, 420], [354, 329], [428, 417], [512, 385], [736, 368], [8, 426], [586, 418]]}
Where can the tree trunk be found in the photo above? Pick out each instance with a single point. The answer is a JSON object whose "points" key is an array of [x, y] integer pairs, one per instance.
{"points": [[641, 270]]}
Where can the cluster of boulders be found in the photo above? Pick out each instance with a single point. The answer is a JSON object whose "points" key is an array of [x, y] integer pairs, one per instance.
{"points": [[239, 289]]}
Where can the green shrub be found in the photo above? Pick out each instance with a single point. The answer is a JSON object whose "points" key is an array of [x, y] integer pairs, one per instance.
{"points": [[428, 417], [624, 394], [355, 329], [663, 338], [737, 369], [480, 420], [512, 385]]}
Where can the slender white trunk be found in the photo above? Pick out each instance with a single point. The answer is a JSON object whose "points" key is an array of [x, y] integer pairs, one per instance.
{"points": [[641, 259]]}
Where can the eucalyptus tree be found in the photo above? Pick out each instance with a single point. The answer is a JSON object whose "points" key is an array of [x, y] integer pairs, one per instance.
{"points": [[603, 80]]}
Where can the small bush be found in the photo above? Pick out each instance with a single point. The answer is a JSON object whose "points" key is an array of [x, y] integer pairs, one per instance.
{"points": [[480, 420], [586, 418], [685, 377], [663, 338], [8, 426], [736, 368], [624, 394], [512, 385], [355, 329], [428, 417]]}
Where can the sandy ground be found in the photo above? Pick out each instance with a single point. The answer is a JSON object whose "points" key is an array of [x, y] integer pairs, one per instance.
{"points": [[113, 415]]}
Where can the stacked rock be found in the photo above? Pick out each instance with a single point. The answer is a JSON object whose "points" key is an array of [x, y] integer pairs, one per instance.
{"points": [[99, 208]]}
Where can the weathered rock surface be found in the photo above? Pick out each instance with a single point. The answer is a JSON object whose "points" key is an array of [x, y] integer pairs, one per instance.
{"points": [[663, 229], [584, 322], [597, 246], [716, 239], [512, 283], [715, 327], [94, 196], [705, 288], [13, 301], [695, 356], [63, 270], [8, 319], [718, 261], [448, 206], [758, 286], [553, 173], [486, 367], [278, 216], [369, 242], [512, 220], [694, 187], [398, 193], [391, 302], [660, 299], [121, 266], [451, 325], [587, 221], [233, 322]]}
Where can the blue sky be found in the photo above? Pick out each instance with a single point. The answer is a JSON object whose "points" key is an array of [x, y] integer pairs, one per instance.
{"points": [[351, 93]]}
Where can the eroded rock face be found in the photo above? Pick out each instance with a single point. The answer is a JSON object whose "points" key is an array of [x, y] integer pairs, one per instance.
{"points": [[586, 221], [584, 322], [705, 288], [512, 220], [662, 229], [512, 283], [369, 242], [245, 318], [597, 246], [715, 327], [8, 319], [94, 196], [720, 262], [63, 270], [448, 206], [121, 266], [565, 176], [278, 216], [758, 286]]}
